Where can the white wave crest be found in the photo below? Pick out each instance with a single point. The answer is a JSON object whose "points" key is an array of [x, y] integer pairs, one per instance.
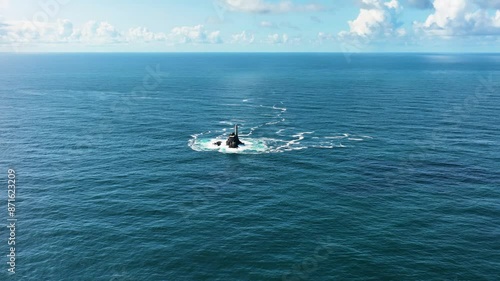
{"points": [[282, 140]]}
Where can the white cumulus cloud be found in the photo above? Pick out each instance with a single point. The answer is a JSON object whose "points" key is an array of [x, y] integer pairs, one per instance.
{"points": [[459, 18], [496, 21], [194, 34], [98, 32], [278, 38], [143, 34], [243, 38], [376, 18], [26, 32]]}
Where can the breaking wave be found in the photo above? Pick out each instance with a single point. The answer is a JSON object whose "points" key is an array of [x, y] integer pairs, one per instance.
{"points": [[281, 140]]}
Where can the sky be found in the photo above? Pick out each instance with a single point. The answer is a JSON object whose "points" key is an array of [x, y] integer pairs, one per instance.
{"points": [[250, 26]]}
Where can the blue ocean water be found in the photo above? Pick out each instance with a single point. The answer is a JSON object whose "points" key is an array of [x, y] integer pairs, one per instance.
{"points": [[356, 166]]}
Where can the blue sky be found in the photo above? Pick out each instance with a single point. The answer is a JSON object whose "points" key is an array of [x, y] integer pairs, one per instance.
{"points": [[250, 26]]}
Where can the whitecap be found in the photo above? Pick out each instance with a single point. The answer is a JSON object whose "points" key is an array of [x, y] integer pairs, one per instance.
{"points": [[251, 146], [336, 137]]}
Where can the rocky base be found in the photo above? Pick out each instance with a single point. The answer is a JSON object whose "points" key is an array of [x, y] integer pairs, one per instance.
{"points": [[233, 141]]}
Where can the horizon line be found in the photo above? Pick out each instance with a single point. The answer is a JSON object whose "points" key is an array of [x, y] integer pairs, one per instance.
{"points": [[251, 52]]}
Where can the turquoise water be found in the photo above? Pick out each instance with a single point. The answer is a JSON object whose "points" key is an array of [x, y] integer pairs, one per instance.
{"points": [[357, 167]]}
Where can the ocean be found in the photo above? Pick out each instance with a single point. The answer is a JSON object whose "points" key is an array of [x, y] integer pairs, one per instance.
{"points": [[355, 166]]}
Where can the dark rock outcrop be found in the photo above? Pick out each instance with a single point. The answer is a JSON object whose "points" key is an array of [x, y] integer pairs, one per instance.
{"points": [[233, 141]]}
